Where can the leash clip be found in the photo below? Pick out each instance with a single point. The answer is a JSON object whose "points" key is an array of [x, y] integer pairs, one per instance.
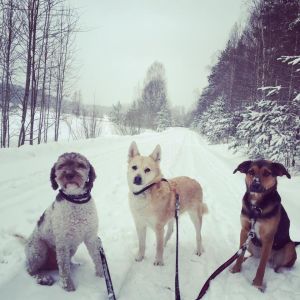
{"points": [[251, 234], [177, 203], [256, 210]]}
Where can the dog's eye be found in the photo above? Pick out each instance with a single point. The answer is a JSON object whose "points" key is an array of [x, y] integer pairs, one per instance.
{"points": [[81, 166], [60, 167], [251, 172], [134, 167], [147, 170], [266, 173]]}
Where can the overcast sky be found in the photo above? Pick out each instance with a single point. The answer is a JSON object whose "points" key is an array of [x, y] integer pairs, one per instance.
{"points": [[123, 38]]}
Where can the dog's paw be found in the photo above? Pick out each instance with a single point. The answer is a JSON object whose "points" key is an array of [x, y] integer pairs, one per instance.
{"points": [[67, 285], [139, 257], [158, 262], [235, 269], [44, 279], [261, 287], [99, 273], [199, 252]]}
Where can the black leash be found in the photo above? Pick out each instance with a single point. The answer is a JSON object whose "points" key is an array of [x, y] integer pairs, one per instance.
{"points": [[177, 290], [108, 281], [241, 251], [148, 187]]}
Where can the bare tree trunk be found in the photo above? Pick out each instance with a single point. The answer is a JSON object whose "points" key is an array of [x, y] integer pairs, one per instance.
{"points": [[7, 74], [35, 73], [30, 15], [45, 46], [291, 83], [263, 75]]}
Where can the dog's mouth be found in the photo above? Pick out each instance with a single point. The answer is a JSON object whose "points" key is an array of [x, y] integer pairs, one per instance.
{"points": [[71, 180], [71, 183], [259, 189]]}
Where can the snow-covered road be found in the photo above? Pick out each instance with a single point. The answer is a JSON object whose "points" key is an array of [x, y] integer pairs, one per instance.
{"points": [[26, 192]]}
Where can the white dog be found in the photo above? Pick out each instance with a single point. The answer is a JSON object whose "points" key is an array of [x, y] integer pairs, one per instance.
{"points": [[69, 221]]}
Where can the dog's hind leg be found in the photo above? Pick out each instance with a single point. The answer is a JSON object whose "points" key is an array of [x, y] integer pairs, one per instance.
{"points": [[36, 251], [169, 231], [196, 218], [36, 254]]}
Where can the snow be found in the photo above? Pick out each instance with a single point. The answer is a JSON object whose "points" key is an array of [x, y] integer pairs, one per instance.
{"points": [[26, 193]]}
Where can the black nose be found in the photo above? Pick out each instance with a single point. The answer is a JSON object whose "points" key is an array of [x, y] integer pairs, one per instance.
{"points": [[256, 186], [137, 180], [69, 176]]}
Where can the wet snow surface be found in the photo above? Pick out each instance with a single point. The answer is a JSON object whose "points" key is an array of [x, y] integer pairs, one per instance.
{"points": [[26, 192]]}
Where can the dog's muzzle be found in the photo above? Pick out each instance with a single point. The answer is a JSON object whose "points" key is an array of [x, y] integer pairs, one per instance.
{"points": [[256, 186], [137, 180]]}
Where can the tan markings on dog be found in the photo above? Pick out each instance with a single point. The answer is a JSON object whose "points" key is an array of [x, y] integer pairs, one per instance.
{"points": [[265, 173]]}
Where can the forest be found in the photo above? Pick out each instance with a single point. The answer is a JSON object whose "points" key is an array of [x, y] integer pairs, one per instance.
{"points": [[252, 100]]}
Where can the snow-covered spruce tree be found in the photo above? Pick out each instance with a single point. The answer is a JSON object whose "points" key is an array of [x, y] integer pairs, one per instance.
{"points": [[268, 130], [285, 143], [163, 118], [216, 122]]}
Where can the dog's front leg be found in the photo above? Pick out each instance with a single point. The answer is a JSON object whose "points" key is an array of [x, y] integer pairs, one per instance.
{"points": [[94, 245], [64, 262], [141, 230], [159, 231], [238, 265], [265, 254]]}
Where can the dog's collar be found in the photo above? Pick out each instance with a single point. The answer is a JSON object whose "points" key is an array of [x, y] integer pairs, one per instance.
{"points": [[77, 199], [256, 211], [147, 187]]}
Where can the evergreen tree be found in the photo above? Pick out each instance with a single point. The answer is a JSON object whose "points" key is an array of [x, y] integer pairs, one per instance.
{"points": [[164, 118]]}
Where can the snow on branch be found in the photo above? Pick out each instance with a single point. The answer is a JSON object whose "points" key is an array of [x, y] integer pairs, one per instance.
{"points": [[272, 90], [291, 60]]}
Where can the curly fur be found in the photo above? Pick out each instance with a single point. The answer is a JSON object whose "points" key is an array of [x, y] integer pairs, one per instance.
{"points": [[65, 225]]}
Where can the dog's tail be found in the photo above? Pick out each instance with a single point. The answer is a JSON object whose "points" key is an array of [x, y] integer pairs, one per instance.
{"points": [[22, 239]]}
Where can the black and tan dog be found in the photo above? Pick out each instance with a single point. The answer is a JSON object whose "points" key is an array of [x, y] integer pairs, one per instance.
{"points": [[262, 202]]}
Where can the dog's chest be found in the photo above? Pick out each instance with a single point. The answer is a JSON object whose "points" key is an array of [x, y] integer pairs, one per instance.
{"points": [[75, 220], [257, 229], [142, 210]]}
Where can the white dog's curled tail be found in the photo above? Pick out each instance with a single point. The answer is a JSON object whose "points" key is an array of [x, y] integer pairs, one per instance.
{"points": [[22, 239]]}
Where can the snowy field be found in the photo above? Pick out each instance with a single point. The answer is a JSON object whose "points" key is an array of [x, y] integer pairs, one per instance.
{"points": [[26, 192]]}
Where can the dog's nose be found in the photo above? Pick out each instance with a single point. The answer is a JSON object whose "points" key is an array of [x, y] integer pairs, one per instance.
{"points": [[255, 186], [69, 176], [137, 180]]}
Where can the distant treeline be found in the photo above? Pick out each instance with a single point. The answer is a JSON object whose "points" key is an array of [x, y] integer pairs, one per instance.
{"points": [[151, 107], [253, 95]]}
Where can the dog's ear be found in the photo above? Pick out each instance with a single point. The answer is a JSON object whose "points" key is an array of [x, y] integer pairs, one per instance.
{"points": [[243, 167], [279, 170], [133, 151], [92, 177], [156, 154], [52, 178]]}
